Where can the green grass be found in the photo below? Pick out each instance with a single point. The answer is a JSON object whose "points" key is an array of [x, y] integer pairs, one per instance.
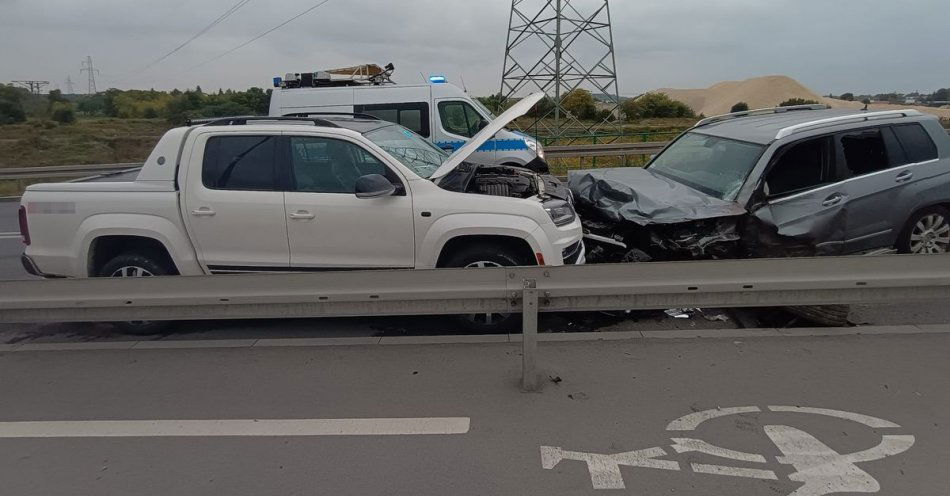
{"points": [[89, 141]]}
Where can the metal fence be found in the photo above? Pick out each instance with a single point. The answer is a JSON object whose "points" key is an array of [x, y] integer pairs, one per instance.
{"points": [[525, 290]]}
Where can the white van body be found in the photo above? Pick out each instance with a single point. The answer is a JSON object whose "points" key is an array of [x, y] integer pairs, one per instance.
{"points": [[440, 112]]}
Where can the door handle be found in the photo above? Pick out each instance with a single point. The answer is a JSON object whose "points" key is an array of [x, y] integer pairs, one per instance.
{"points": [[301, 215], [202, 212], [904, 176], [832, 200]]}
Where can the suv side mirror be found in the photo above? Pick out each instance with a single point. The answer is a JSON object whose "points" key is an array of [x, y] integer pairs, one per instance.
{"points": [[374, 186]]}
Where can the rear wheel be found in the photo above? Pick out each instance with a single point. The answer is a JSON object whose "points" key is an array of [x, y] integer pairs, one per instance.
{"points": [[927, 233], [481, 256], [135, 265], [825, 315]]}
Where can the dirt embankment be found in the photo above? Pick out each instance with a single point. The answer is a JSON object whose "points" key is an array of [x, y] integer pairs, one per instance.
{"points": [[767, 91]]}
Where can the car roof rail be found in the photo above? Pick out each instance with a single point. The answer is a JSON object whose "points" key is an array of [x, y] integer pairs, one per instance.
{"points": [[244, 119], [361, 115], [845, 119], [762, 111]]}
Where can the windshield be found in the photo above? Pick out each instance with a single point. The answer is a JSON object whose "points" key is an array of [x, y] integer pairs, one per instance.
{"points": [[412, 150], [489, 116], [715, 166]]}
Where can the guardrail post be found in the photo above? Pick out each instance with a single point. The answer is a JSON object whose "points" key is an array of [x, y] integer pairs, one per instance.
{"points": [[529, 335]]}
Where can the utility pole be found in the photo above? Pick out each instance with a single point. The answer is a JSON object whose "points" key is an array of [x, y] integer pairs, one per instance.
{"points": [[33, 85], [69, 85], [557, 46], [88, 68]]}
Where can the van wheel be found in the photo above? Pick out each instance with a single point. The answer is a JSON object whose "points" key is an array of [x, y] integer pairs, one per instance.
{"points": [[134, 265], [927, 232], [480, 256]]}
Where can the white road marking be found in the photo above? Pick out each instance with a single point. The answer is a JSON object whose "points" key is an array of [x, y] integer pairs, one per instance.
{"points": [[15, 235], [237, 427], [692, 421], [824, 470], [753, 473], [686, 445], [605, 469], [867, 420]]}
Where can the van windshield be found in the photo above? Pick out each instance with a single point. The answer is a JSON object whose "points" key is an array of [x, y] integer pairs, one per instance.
{"points": [[412, 150]]}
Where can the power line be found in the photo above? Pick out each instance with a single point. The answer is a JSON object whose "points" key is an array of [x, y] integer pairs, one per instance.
{"points": [[265, 33], [234, 8]]}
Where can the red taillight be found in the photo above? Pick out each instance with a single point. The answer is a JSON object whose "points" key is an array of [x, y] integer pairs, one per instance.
{"points": [[24, 227]]}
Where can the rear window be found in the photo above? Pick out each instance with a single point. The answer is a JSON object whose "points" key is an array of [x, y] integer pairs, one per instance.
{"points": [[240, 163], [916, 143]]}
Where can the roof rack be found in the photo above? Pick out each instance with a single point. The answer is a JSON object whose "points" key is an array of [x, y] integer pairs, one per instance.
{"points": [[763, 111], [360, 75], [243, 120], [347, 114], [885, 114]]}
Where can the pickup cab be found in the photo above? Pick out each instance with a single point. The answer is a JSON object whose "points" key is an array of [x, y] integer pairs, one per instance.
{"points": [[301, 194]]}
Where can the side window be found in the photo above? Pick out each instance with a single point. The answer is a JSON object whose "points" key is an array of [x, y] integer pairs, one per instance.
{"points": [[414, 116], [916, 143], [240, 163], [865, 152], [326, 165], [801, 166], [460, 118]]}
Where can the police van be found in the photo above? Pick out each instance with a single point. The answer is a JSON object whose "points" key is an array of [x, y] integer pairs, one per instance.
{"points": [[436, 109]]}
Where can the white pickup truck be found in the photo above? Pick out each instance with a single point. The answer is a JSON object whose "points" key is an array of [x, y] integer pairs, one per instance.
{"points": [[297, 194]]}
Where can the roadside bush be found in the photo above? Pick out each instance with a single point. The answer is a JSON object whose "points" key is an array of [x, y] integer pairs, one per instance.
{"points": [[740, 107], [581, 103], [655, 105], [62, 113], [11, 105], [847, 97], [791, 102]]}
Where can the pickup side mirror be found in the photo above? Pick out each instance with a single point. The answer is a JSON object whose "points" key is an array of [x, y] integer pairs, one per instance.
{"points": [[374, 186]]}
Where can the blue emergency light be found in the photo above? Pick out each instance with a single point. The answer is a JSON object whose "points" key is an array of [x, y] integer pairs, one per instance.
{"points": [[437, 79], [277, 81]]}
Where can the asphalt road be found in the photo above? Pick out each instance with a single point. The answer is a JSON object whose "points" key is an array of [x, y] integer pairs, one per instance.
{"points": [[199, 421], [10, 268]]}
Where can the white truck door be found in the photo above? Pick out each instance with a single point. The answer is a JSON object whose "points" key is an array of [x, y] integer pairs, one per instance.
{"points": [[233, 206], [328, 226]]}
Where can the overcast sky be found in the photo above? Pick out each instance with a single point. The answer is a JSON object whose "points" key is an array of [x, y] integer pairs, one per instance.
{"points": [[829, 45]]}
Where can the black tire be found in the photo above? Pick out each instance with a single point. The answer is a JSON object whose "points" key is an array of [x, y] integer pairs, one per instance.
{"points": [[905, 243], [825, 315], [124, 263], [492, 256]]}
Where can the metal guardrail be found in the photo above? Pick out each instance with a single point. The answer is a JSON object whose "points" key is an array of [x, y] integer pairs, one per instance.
{"points": [[605, 150], [526, 290], [64, 171]]}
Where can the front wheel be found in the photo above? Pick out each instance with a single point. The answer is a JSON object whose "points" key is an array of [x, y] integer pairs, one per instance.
{"points": [[134, 265], [480, 256], [927, 232]]}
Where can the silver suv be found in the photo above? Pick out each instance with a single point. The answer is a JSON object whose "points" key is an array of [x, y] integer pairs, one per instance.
{"points": [[792, 181]]}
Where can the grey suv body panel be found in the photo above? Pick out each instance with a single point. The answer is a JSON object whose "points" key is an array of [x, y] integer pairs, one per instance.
{"points": [[856, 211]]}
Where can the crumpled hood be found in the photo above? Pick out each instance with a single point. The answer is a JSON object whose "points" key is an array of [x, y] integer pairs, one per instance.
{"points": [[637, 195]]}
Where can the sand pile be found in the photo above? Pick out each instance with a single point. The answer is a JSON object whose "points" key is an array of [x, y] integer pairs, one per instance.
{"points": [[763, 92]]}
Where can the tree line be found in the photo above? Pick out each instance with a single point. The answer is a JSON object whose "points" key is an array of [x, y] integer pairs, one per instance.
{"points": [[176, 106]]}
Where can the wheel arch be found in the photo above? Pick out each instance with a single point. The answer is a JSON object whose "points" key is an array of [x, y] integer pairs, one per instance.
{"points": [[517, 246], [106, 247]]}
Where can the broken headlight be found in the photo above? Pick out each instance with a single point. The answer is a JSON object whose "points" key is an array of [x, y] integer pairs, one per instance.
{"points": [[561, 212]]}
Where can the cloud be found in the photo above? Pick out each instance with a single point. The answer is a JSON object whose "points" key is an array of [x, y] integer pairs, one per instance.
{"points": [[845, 45]]}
